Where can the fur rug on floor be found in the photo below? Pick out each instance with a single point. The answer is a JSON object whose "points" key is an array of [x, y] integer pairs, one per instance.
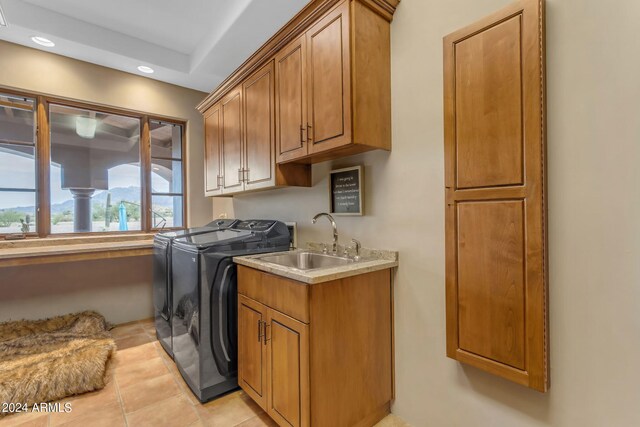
{"points": [[50, 359]]}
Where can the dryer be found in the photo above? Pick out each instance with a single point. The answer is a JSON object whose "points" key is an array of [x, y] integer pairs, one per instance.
{"points": [[204, 317]]}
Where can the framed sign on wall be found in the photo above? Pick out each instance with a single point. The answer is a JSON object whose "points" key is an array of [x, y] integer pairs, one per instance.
{"points": [[346, 191]]}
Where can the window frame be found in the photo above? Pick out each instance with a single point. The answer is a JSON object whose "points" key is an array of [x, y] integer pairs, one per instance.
{"points": [[183, 169], [43, 164], [35, 98]]}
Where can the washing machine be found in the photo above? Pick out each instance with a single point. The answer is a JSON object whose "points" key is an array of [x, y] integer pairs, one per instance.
{"points": [[162, 276], [204, 318]]}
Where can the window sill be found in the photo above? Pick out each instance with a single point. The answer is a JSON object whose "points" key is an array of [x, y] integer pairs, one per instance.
{"points": [[65, 249]]}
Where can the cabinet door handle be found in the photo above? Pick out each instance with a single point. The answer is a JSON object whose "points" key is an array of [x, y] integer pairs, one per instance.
{"points": [[259, 330], [302, 129], [264, 334], [240, 175], [219, 181], [309, 132], [246, 178]]}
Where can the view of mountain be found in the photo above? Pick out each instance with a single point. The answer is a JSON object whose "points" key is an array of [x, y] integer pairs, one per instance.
{"points": [[129, 194]]}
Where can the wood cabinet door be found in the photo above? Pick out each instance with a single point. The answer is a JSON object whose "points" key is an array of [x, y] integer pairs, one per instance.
{"points": [[329, 81], [252, 351], [212, 149], [291, 101], [496, 275], [259, 129], [232, 151], [288, 370]]}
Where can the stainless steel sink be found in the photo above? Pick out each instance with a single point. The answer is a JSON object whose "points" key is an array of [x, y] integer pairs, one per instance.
{"points": [[306, 260]]}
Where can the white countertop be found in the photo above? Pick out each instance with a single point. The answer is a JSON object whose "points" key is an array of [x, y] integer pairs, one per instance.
{"points": [[371, 260]]}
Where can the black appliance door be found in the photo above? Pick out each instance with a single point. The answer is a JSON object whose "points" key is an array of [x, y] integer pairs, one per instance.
{"points": [[161, 277], [223, 316], [185, 319]]}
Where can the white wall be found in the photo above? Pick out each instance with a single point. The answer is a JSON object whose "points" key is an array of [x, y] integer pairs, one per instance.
{"points": [[594, 227]]}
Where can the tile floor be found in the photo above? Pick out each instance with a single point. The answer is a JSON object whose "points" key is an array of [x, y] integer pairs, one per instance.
{"points": [[146, 389]]}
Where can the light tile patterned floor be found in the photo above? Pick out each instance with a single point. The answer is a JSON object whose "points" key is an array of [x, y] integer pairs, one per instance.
{"points": [[146, 389]]}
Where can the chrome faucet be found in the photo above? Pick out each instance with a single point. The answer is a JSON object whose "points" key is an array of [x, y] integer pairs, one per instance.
{"points": [[356, 246], [335, 229]]}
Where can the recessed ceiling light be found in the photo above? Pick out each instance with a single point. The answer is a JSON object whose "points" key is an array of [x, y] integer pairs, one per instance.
{"points": [[42, 41], [145, 69]]}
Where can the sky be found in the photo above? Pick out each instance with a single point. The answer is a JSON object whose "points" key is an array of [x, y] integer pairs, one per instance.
{"points": [[18, 172]]}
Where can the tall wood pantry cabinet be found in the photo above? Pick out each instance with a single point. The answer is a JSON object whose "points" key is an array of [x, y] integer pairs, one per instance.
{"points": [[496, 246]]}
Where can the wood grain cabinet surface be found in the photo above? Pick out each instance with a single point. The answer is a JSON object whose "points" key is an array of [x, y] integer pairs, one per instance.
{"points": [[496, 253], [319, 89], [316, 355], [291, 101], [232, 142], [340, 108], [240, 138]]}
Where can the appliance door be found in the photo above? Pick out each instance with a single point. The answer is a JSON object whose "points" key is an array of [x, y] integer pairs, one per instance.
{"points": [[218, 290], [161, 276], [185, 319], [223, 318]]}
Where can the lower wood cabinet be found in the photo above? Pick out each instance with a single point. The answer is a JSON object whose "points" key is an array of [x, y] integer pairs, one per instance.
{"points": [[274, 363], [316, 355], [252, 364]]}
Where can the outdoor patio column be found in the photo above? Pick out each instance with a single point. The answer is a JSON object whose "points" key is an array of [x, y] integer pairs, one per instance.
{"points": [[82, 209]]}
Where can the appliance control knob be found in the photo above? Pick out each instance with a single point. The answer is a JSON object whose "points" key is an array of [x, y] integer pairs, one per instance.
{"points": [[219, 223]]}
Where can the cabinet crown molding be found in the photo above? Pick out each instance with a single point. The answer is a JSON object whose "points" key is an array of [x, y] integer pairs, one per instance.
{"points": [[296, 26]]}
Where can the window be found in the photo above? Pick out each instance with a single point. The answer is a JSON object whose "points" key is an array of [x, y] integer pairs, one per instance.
{"points": [[17, 165], [95, 171], [98, 174], [166, 174]]}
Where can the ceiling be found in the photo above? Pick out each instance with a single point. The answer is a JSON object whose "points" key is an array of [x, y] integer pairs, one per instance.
{"points": [[194, 43]]}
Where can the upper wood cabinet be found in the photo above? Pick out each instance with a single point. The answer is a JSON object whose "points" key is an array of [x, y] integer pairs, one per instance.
{"points": [[329, 82], [232, 142], [319, 89], [291, 101], [259, 130], [212, 150], [319, 69], [496, 269], [240, 135]]}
